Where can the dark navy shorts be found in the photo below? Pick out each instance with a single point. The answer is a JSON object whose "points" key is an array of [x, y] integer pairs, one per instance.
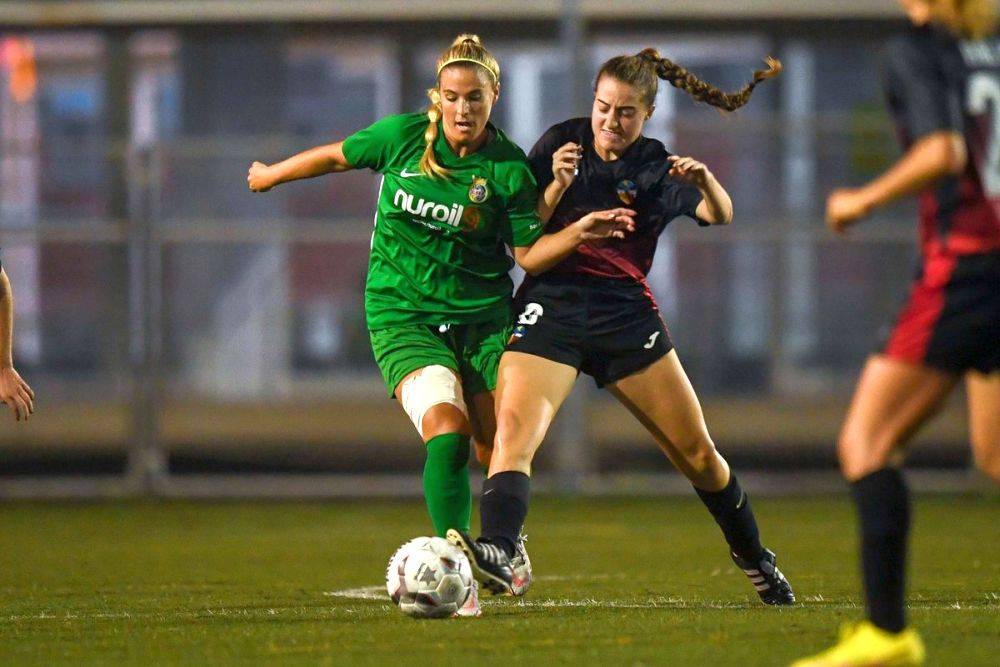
{"points": [[608, 328]]}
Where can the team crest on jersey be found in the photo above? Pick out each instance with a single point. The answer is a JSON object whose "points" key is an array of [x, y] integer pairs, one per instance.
{"points": [[627, 191], [479, 192]]}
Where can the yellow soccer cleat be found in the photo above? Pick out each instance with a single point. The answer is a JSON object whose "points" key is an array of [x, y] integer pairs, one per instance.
{"points": [[866, 645]]}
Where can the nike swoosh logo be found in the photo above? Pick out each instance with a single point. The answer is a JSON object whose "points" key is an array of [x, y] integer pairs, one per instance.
{"points": [[743, 501], [409, 174], [488, 492]]}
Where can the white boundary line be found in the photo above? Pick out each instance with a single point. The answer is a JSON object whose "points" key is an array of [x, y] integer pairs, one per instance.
{"points": [[377, 593], [363, 593]]}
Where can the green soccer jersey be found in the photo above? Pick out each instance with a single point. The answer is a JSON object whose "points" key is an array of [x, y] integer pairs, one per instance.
{"points": [[438, 249]]}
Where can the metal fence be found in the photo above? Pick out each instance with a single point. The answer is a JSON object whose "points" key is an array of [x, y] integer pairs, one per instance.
{"points": [[185, 336]]}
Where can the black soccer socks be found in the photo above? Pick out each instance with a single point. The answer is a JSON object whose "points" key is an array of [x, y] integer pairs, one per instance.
{"points": [[503, 506], [731, 509], [883, 506]]}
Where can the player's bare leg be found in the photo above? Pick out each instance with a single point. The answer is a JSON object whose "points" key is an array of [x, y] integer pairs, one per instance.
{"points": [[538, 410], [662, 399], [530, 390], [482, 418], [892, 401], [984, 421]]}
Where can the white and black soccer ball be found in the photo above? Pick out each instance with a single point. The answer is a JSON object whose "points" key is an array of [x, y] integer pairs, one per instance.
{"points": [[428, 578]]}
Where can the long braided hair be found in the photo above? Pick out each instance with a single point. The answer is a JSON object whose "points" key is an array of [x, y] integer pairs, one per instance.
{"points": [[643, 70], [465, 50]]}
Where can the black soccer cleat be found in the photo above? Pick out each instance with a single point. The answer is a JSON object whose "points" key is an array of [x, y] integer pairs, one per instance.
{"points": [[490, 564], [771, 585]]}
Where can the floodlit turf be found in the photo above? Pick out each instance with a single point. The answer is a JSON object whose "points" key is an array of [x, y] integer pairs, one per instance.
{"points": [[618, 582]]}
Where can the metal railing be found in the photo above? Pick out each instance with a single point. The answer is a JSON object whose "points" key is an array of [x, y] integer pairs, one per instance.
{"points": [[203, 359]]}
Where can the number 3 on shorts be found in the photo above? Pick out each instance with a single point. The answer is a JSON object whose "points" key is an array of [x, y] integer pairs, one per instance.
{"points": [[531, 314]]}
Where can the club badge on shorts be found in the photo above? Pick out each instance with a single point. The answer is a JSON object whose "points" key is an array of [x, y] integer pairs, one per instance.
{"points": [[517, 334], [627, 191], [479, 192]]}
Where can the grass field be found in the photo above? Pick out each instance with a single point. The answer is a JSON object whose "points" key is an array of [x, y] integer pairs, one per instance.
{"points": [[622, 581]]}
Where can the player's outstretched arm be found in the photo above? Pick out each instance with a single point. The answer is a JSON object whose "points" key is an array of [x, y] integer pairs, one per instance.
{"points": [[14, 391], [317, 161], [550, 249], [931, 158], [716, 207]]}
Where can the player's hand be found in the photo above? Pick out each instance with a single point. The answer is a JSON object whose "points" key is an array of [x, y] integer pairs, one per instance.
{"points": [[689, 170], [259, 177], [16, 393], [614, 223], [566, 163], [844, 207]]}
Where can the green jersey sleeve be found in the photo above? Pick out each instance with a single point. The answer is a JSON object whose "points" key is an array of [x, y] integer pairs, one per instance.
{"points": [[376, 146], [522, 209]]}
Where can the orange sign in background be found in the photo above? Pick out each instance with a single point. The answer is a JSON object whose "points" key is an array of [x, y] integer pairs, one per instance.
{"points": [[17, 57]]}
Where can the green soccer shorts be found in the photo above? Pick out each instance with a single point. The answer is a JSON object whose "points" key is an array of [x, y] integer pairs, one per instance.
{"points": [[471, 350]]}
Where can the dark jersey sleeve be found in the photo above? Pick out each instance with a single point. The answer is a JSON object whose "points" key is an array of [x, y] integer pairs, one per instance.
{"points": [[540, 157], [682, 198], [920, 95], [677, 197]]}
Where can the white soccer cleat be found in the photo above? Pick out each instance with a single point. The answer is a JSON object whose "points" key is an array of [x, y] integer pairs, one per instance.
{"points": [[521, 565], [471, 607]]}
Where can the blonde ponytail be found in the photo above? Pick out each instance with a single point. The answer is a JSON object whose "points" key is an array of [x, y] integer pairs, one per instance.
{"points": [[428, 161], [465, 49]]}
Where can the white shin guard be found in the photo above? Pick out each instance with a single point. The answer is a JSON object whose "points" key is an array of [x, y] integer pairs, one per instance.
{"points": [[430, 386]]}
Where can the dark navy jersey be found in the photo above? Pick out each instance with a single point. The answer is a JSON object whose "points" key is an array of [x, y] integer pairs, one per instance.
{"points": [[935, 82], [637, 180]]}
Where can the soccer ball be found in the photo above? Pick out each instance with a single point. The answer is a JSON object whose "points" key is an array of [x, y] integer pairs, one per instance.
{"points": [[428, 578]]}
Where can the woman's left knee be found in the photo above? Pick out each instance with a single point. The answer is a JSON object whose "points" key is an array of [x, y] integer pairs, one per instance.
{"points": [[861, 453], [700, 455], [705, 458]]}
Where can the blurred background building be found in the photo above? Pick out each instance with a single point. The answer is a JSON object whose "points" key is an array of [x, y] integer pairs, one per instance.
{"points": [[185, 336]]}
